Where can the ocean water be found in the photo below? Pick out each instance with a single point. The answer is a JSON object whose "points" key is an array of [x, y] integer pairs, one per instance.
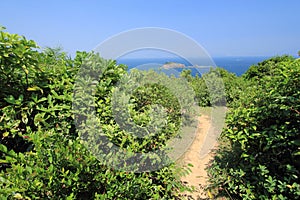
{"points": [[237, 65]]}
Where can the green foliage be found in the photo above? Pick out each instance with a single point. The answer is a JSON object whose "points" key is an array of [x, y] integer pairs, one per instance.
{"points": [[42, 155], [18, 64], [217, 87], [200, 88], [37, 90], [61, 168], [262, 159], [266, 67], [138, 112]]}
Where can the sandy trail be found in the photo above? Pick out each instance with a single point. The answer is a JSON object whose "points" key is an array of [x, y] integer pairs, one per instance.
{"points": [[198, 177]]}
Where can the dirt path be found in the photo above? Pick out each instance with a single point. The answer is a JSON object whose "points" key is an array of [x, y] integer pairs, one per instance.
{"points": [[198, 176]]}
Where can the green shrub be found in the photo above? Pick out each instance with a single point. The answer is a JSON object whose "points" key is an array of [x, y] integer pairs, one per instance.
{"points": [[263, 157], [217, 87], [42, 155], [266, 67]]}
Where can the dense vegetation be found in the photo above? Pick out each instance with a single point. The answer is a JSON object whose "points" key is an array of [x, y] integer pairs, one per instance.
{"points": [[227, 87], [41, 152], [43, 156], [259, 157]]}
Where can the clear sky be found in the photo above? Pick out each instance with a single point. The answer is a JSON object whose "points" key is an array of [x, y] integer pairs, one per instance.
{"points": [[222, 27]]}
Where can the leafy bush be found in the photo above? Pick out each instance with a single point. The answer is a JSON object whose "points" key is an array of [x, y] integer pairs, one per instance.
{"points": [[217, 87], [263, 157], [266, 67], [42, 154]]}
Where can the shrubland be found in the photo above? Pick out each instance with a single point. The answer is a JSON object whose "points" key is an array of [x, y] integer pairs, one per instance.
{"points": [[42, 155], [259, 153]]}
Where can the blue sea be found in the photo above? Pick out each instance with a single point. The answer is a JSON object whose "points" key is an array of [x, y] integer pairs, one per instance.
{"points": [[237, 65]]}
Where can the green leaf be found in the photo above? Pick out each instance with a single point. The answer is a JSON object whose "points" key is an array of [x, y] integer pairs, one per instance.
{"points": [[190, 165], [296, 142], [10, 99], [5, 134], [4, 161], [25, 69], [297, 153], [3, 148], [34, 88], [70, 197]]}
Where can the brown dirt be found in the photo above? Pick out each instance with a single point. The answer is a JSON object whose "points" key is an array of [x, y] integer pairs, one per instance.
{"points": [[198, 177]]}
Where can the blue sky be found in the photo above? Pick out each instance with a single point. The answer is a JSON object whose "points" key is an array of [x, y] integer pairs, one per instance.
{"points": [[222, 27]]}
